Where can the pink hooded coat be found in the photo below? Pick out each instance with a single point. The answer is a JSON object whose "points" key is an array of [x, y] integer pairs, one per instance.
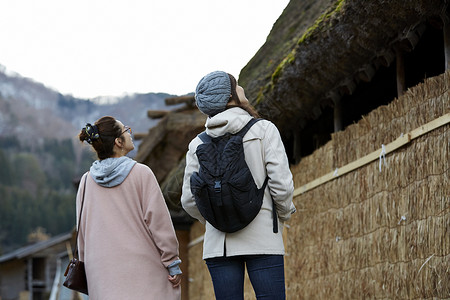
{"points": [[127, 239]]}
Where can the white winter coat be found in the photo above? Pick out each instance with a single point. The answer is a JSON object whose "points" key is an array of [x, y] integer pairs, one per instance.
{"points": [[265, 156]]}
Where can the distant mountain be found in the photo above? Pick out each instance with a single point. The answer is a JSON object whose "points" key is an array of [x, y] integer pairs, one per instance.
{"points": [[40, 156], [31, 111]]}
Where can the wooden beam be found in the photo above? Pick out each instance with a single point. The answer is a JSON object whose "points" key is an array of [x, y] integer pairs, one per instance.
{"points": [[386, 58], [139, 136], [196, 241], [409, 42], [181, 99], [399, 142], [366, 73], [156, 114], [347, 87]]}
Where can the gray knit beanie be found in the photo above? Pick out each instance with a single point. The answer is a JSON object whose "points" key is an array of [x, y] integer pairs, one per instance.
{"points": [[213, 93]]}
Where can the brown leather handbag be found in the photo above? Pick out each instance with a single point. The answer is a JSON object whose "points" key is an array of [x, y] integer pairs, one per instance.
{"points": [[75, 273], [76, 276]]}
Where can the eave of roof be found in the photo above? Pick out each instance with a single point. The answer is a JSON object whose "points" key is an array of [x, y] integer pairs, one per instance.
{"points": [[347, 39], [34, 248]]}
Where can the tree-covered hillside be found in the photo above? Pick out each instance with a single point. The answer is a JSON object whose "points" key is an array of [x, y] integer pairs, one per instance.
{"points": [[36, 188]]}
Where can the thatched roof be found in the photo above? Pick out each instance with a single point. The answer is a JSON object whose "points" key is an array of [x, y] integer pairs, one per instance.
{"points": [[318, 50], [165, 146]]}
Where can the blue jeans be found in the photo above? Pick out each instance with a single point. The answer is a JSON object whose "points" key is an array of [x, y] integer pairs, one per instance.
{"points": [[266, 273]]}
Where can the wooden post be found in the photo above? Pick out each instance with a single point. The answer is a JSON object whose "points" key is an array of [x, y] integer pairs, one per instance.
{"points": [[337, 114], [446, 19], [30, 277], [401, 85], [183, 239], [336, 99]]}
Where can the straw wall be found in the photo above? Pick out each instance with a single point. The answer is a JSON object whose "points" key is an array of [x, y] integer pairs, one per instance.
{"points": [[369, 234], [372, 234]]}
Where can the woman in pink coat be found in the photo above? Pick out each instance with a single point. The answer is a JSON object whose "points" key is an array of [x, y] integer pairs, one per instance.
{"points": [[126, 239]]}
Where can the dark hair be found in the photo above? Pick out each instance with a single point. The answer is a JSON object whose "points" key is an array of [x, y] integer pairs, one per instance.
{"points": [[234, 96], [108, 130]]}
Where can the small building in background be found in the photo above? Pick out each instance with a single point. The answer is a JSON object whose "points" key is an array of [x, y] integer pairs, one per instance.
{"points": [[30, 272]]}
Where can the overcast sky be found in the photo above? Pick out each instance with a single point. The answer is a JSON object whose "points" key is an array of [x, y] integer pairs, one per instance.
{"points": [[90, 48]]}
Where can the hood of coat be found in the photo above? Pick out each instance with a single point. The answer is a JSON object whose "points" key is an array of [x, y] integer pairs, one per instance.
{"points": [[112, 171], [229, 121]]}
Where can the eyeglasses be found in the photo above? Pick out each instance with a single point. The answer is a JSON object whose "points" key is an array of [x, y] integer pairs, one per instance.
{"points": [[127, 129]]}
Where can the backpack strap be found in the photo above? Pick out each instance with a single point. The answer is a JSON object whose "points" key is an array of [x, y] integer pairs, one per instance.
{"points": [[204, 137], [275, 217], [241, 133], [244, 130]]}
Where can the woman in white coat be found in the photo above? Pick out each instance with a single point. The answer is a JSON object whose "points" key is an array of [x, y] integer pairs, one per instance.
{"points": [[256, 246]]}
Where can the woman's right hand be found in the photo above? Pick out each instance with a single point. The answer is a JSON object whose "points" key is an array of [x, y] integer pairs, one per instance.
{"points": [[175, 280]]}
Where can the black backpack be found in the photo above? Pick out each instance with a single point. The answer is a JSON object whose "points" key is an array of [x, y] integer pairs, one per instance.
{"points": [[224, 190]]}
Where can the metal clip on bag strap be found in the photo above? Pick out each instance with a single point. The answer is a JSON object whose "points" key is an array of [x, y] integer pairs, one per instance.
{"points": [[79, 219]]}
